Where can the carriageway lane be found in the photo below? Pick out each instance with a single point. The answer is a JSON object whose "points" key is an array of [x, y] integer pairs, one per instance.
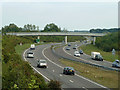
{"points": [[55, 72], [70, 54]]}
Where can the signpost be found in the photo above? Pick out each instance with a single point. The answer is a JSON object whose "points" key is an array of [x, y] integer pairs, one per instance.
{"points": [[113, 51]]}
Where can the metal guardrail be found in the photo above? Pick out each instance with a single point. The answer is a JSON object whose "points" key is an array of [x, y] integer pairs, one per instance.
{"points": [[104, 67]]}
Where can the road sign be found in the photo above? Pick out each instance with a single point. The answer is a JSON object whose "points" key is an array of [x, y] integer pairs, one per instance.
{"points": [[37, 40], [113, 51]]}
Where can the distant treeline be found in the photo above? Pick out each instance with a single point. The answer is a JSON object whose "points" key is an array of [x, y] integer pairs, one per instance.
{"points": [[104, 30], [31, 28], [109, 42]]}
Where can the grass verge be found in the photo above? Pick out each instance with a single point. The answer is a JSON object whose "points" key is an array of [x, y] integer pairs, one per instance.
{"points": [[106, 55], [104, 77]]}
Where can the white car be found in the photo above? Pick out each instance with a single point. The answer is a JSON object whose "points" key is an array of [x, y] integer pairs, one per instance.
{"points": [[77, 54], [32, 47], [30, 55], [42, 63]]}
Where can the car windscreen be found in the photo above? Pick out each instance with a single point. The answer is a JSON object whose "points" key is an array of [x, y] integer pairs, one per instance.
{"points": [[42, 61], [30, 53]]}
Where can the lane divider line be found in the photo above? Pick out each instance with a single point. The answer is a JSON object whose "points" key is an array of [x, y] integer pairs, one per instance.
{"points": [[33, 67], [75, 73], [77, 57]]}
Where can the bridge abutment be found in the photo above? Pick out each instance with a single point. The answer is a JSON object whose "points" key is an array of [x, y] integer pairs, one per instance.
{"points": [[94, 39], [65, 39]]}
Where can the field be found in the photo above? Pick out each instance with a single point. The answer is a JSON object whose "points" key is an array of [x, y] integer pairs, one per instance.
{"points": [[106, 55], [104, 77]]}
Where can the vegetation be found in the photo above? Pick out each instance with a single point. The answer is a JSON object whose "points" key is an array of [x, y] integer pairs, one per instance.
{"points": [[108, 42], [103, 77], [104, 30], [51, 28], [16, 72], [106, 55]]}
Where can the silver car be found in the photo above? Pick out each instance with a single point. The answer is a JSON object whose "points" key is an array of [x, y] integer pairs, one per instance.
{"points": [[42, 63], [30, 55]]}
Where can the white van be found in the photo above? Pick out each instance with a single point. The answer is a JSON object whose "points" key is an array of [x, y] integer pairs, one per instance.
{"points": [[32, 46]]}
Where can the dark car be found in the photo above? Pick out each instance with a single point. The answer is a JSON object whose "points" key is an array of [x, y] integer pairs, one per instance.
{"points": [[81, 51], [69, 70], [74, 47], [67, 48], [116, 64], [69, 44]]}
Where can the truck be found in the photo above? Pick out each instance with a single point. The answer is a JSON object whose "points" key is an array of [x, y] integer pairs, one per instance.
{"points": [[96, 56], [32, 47]]}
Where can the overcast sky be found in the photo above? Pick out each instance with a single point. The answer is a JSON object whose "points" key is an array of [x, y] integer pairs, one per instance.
{"points": [[69, 15]]}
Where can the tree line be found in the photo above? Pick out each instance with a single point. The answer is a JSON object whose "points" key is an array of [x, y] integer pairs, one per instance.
{"points": [[104, 30], [109, 42]]}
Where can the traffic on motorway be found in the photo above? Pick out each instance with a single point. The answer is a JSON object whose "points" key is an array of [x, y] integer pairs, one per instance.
{"points": [[47, 64]]}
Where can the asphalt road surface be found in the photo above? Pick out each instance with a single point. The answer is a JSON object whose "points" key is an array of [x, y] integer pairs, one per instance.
{"points": [[55, 70], [70, 54]]}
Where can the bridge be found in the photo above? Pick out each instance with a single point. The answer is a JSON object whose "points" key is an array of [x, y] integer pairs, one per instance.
{"points": [[94, 35]]}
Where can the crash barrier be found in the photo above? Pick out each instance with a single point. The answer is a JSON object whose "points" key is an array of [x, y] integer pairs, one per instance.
{"points": [[104, 67]]}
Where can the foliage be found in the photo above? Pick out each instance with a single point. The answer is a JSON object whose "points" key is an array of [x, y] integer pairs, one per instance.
{"points": [[16, 72], [53, 85], [104, 30], [108, 42], [51, 28]]}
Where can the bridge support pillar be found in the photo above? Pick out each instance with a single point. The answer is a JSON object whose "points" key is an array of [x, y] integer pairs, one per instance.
{"points": [[65, 39], [94, 39]]}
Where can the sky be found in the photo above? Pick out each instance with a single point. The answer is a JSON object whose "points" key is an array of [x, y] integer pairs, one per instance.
{"points": [[71, 15]]}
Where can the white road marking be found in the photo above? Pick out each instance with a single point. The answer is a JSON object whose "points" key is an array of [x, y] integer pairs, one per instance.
{"points": [[53, 70], [84, 88], [60, 74], [71, 81], [77, 57], [33, 67], [75, 74]]}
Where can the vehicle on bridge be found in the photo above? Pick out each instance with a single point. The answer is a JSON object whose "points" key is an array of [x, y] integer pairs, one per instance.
{"points": [[32, 47], [30, 55], [96, 56], [116, 64], [69, 70], [77, 54], [42, 63]]}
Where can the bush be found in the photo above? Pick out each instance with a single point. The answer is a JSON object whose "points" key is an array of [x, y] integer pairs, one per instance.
{"points": [[54, 85]]}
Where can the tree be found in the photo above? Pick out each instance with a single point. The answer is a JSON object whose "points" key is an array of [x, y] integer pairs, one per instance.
{"points": [[51, 28]]}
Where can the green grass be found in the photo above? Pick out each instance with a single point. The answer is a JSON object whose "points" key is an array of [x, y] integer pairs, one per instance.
{"points": [[104, 77], [20, 48], [106, 55]]}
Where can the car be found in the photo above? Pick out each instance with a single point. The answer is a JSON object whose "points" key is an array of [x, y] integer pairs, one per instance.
{"points": [[32, 47], [116, 64], [30, 55], [69, 44], [67, 48], [42, 63], [74, 47], [77, 54], [69, 70], [81, 51]]}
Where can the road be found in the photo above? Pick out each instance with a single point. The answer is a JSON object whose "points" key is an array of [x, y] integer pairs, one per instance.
{"points": [[55, 69], [86, 58]]}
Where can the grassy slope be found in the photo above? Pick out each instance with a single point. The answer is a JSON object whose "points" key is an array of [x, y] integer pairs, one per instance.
{"points": [[104, 77], [106, 55]]}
